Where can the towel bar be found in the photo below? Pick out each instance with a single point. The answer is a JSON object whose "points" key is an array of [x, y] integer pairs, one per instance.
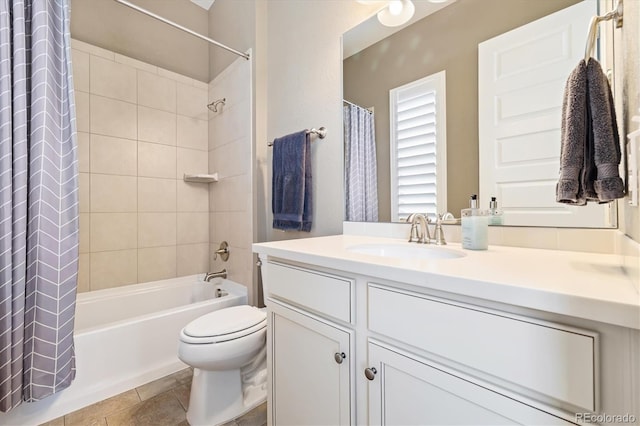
{"points": [[321, 132]]}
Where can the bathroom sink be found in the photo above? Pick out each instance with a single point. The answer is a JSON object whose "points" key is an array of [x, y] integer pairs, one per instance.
{"points": [[406, 251]]}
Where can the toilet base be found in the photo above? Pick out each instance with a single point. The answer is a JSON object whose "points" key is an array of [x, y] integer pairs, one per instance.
{"points": [[218, 397]]}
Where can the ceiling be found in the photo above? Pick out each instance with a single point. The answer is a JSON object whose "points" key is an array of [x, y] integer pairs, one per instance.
{"points": [[205, 4], [372, 31]]}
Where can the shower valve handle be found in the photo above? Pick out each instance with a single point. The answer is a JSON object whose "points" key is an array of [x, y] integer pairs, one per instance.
{"points": [[223, 251]]}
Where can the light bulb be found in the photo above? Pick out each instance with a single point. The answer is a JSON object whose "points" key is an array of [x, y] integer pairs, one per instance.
{"points": [[396, 13], [395, 7]]}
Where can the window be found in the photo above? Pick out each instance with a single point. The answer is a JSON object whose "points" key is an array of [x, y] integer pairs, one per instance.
{"points": [[418, 148]]}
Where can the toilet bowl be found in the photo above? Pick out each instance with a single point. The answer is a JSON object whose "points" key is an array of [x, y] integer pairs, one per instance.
{"points": [[227, 349]]}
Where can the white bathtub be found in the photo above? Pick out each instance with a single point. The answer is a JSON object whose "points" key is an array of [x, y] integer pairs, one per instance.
{"points": [[126, 337]]}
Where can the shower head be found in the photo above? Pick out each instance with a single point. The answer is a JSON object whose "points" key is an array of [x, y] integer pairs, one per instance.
{"points": [[213, 106]]}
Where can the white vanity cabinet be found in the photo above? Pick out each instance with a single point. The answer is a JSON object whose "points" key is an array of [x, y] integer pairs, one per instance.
{"points": [[407, 390], [309, 352], [347, 347]]}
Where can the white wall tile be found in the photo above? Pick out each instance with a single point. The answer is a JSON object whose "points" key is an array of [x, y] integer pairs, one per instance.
{"points": [[192, 102], [234, 227], [80, 63], [231, 194], [155, 160], [84, 230], [233, 158], [114, 231], [192, 133], [231, 124], [84, 192], [158, 263], [156, 195], [113, 80], [177, 77], [135, 63], [193, 197], [193, 227], [192, 259], [191, 161], [84, 272], [156, 229], [84, 161], [113, 118], [113, 268], [89, 48], [113, 156], [83, 112], [156, 126], [156, 92], [112, 193]]}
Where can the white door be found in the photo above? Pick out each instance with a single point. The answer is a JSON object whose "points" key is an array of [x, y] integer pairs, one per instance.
{"points": [[521, 78], [406, 391], [310, 369]]}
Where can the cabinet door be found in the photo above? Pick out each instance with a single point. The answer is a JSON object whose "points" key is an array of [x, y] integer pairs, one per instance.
{"points": [[408, 391], [310, 362]]}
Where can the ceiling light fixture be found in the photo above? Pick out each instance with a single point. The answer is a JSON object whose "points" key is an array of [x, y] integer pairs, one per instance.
{"points": [[396, 13]]}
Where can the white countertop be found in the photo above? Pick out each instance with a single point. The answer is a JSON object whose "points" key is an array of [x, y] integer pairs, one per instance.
{"points": [[582, 285]]}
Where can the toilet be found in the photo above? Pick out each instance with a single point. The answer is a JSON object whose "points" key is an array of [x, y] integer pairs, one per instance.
{"points": [[227, 349]]}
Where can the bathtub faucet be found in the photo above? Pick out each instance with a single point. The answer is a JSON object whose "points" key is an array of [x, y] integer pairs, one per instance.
{"points": [[211, 275]]}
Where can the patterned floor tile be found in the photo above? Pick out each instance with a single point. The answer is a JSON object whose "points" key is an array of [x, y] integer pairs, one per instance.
{"points": [[160, 410], [94, 415]]}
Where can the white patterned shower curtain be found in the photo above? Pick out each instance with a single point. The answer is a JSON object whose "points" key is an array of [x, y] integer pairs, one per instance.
{"points": [[361, 185], [38, 201]]}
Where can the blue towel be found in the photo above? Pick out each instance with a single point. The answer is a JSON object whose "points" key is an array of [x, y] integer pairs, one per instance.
{"points": [[291, 201]]}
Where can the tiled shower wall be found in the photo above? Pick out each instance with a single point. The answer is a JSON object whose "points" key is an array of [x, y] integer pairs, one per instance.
{"points": [[139, 129], [230, 136]]}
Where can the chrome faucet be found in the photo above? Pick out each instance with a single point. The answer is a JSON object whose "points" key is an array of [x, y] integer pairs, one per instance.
{"points": [[420, 232], [211, 275]]}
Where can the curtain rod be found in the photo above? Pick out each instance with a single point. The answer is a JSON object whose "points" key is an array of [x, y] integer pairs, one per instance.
{"points": [[180, 27], [352, 104]]}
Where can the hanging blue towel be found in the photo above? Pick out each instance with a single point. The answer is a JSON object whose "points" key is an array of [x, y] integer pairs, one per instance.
{"points": [[291, 200]]}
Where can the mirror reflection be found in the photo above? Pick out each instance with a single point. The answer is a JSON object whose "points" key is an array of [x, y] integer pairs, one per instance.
{"points": [[445, 42]]}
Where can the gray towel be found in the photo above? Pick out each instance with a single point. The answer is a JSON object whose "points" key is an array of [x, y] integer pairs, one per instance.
{"points": [[590, 146], [606, 141], [291, 196]]}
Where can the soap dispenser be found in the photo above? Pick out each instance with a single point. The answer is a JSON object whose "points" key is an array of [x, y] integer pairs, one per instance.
{"points": [[495, 215], [475, 226]]}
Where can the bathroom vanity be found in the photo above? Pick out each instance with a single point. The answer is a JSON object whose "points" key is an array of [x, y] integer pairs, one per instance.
{"points": [[502, 336]]}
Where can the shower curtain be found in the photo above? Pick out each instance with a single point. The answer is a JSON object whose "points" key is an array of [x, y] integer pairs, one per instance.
{"points": [[361, 187], [38, 201]]}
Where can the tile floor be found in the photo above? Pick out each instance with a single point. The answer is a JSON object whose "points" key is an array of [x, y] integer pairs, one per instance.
{"points": [[162, 402]]}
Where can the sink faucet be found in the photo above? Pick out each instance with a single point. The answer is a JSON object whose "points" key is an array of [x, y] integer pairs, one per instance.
{"points": [[211, 275], [419, 228], [420, 232]]}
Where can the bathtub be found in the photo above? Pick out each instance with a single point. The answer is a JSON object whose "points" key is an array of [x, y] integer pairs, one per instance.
{"points": [[128, 336]]}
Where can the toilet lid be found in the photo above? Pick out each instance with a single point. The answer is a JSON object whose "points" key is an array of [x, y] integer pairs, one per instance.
{"points": [[225, 322]]}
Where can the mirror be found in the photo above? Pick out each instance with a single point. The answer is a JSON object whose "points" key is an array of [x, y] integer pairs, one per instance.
{"points": [[444, 40]]}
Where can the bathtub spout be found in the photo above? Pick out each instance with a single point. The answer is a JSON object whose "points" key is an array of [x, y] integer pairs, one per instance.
{"points": [[211, 275]]}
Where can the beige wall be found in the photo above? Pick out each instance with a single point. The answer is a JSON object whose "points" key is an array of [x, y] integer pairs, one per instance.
{"points": [[139, 129], [118, 28], [232, 23], [442, 41], [304, 86]]}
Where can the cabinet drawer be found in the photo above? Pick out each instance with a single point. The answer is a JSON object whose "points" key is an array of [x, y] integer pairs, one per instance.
{"points": [[549, 359], [326, 294]]}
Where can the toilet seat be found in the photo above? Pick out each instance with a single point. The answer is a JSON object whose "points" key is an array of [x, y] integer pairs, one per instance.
{"points": [[224, 325]]}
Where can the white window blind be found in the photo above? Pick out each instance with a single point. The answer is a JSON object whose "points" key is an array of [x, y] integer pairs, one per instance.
{"points": [[418, 150]]}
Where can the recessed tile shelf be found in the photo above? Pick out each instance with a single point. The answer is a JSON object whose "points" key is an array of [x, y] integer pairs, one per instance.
{"points": [[201, 178]]}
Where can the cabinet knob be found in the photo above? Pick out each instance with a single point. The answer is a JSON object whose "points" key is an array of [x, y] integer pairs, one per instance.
{"points": [[370, 373], [339, 356]]}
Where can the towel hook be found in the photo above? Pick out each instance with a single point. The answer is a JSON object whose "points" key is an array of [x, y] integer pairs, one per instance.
{"points": [[615, 14]]}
